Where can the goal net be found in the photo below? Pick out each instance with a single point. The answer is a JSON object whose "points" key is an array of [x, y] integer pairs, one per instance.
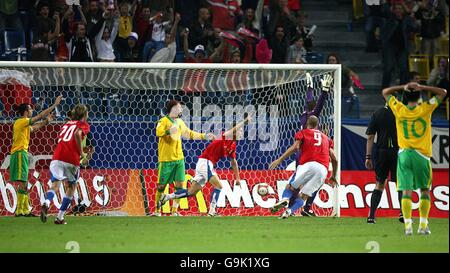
{"points": [[126, 101]]}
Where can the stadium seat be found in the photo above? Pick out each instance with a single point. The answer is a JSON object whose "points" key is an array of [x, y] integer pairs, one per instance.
{"points": [[358, 9], [443, 45], [314, 58], [420, 64], [417, 44], [14, 43]]}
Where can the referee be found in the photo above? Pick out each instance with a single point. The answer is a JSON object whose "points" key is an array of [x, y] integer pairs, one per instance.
{"points": [[382, 124]]}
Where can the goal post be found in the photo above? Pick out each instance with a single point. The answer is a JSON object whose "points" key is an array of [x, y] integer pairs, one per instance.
{"points": [[125, 102]]}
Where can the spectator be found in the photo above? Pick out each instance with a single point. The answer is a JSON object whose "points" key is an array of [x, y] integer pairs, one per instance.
{"points": [[225, 13], [142, 24], [303, 31], [188, 10], [158, 34], [252, 18], [45, 34], [79, 46], [374, 21], [279, 46], [296, 52], [431, 25], [280, 15], [167, 54], [439, 75], [396, 43], [104, 41], [131, 53], [93, 15], [347, 75], [201, 31], [199, 51], [9, 17], [125, 26]]}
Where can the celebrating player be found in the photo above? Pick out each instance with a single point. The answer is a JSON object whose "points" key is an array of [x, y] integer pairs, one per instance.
{"points": [[65, 164], [171, 168], [413, 122], [312, 169], [313, 108], [18, 168], [204, 170]]}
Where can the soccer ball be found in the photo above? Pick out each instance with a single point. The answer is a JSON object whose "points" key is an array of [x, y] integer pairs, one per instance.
{"points": [[263, 189]]}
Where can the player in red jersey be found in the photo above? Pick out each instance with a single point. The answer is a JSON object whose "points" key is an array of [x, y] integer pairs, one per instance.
{"points": [[204, 170], [316, 150], [65, 163]]}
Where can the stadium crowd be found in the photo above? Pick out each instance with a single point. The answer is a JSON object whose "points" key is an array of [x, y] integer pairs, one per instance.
{"points": [[219, 31]]}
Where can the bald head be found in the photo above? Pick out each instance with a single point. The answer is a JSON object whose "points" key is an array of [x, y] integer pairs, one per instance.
{"points": [[312, 122]]}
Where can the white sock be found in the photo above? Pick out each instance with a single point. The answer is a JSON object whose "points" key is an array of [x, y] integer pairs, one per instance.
{"points": [[212, 208], [424, 221], [61, 215], [408, 221], [47, 203]]}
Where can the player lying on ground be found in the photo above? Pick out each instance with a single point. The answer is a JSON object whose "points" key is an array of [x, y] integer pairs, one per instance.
{"points": [[316, 150], [171, 167], [204, 170], [18, 167], [413, 122], [313, 108], [65, 164]]}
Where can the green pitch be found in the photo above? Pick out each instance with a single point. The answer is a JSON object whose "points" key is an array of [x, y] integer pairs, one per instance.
{"points": [[224, 234]]}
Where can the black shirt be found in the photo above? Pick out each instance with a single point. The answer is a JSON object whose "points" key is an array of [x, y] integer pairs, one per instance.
{"points": [[397, 38], [382, 124]]}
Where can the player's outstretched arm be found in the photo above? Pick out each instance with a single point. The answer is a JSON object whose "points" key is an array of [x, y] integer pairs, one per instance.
{"points": [[334, 163], [47, 111], [286, 154], [37, 126], [229, 134], [235, 167]]}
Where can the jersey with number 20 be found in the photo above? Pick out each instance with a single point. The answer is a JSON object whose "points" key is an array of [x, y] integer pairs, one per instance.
{"points": [[315, 146], [67, 150]]}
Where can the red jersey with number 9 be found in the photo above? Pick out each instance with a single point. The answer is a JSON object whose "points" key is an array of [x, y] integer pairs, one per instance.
{"points": [[315, 146], [67, 150]]}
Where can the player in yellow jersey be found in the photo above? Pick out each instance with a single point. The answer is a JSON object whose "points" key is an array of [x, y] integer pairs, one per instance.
{"points": [[18, 167], [413, 122], [171, 167]]}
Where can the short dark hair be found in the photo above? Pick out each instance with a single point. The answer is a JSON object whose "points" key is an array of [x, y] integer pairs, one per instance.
{"points": [[22, 108], [170, 104], [411, 96], [335, 56]]}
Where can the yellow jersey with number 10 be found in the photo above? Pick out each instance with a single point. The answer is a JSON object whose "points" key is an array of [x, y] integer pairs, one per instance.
{"points": [[414, 124]]}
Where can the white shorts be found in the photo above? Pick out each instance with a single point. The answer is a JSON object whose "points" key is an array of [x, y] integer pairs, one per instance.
{"points": [[204, 170], [61, 170], [311, 175]]}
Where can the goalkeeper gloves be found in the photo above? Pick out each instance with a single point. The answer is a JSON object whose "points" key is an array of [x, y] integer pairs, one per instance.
{"points": [[326, 81]]}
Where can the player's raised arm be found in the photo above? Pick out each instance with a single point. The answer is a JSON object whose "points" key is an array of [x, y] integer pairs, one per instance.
{"points": [[439, 92], [391, 90], [190, 134], [47, 111], [294, 147], [229, 134], [235, 167], [35, 127]]}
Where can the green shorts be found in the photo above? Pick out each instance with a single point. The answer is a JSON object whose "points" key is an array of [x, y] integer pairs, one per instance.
{"points": [[168, 172], [18, 166], [413, 171]]}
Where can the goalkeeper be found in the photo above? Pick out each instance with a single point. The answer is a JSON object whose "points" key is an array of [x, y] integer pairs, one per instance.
{"points": [[171, 168], [314, 108]]}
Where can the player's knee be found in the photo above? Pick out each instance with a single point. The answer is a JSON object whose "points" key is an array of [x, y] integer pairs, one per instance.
{"points": [[161, 188], [380, 186], [425, 193]]}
